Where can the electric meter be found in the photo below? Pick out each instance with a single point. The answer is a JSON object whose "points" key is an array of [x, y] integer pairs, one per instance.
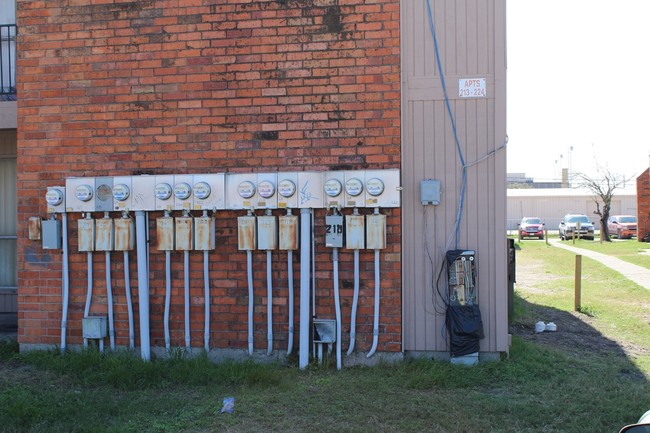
{"points": [[182, 190], [375, 186], [202, 190], [163, 191], [83, 192], [286, 188], [54, 197], [354, 187], [266, 189], [121, 192], [333, 187], [246, 189]]}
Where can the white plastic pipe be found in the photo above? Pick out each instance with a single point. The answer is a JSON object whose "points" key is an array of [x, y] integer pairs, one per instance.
{"points": [[355, 302], [89, 294], [109, 295], [66, 282], [305, 253], [337, 306], [186, 264], [206, 285], [249, 264], [290, 272], [143, 283], [269, 303], [375, 328], [168, 295], [313, 272], [129, 303]]}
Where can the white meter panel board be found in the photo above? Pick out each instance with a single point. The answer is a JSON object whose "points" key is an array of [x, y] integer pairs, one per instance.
{"points": [[267, 191], [287, 190], [241, 190], [310, 190], [163, 191], [334, 189], [183, 198], [122, 195], [355, 188], [143, 193], [80, 194], [383, 188], [209, 191]]}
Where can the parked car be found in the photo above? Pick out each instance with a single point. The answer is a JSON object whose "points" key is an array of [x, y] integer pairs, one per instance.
{"points": [[530, 227], [622, 226], [569, 225]]}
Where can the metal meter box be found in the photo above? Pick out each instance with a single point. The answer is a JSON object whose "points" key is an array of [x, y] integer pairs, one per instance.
{"points": [[122, 193], [267, 196], [104, 234], [376, 231], [183, 198], [204, 233], [94, 327], [164, 192], [143, 193], [288, 232], [333, 182], [55, 199], [354, 189], [124, 234], [383, 188], [241, 190], [209, 191], [324, 331], [287, 190], [184, 233], [334, 231], [165, 233], [246, 233], [51, 234], [267, 232], [80, 194], [86, 232], [354, 232], [310, 190], [103, 194]]}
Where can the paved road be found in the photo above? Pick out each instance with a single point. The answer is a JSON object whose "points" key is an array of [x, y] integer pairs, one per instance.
{"points": [[638, 274]]}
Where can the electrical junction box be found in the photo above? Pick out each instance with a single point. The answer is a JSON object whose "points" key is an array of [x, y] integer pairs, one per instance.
{"points": [[461, 277], [430, 192], [94, 327], [208, 191], [80, 194], [51, 234], [324, 331], [289, 235], [287, 190], [86, 232], [241, 190], [122, 193], [267, 232], [103, 194], [310, 190], [184, 235], [354, 232], [246, 233], [333, 189], [204, 233], [376, 231], [334, 231], [143, 193], [183, 199], [165, 233], [354, 189], [124, 234], [55, 199], [266, 197], [164, 192], [104, 234], [383, 188]]}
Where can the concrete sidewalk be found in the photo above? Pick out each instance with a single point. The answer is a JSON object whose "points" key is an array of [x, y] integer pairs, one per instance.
{"points": [[636, 273]]}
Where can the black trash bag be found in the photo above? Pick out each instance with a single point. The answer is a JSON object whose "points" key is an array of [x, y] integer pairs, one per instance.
{"points": [[465, 329]]}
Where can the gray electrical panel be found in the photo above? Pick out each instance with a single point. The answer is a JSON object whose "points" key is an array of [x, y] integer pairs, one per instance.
{"points": [[51, 234], [334, 231]]}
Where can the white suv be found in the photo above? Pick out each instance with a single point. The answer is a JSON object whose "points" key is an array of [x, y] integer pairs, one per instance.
{"points": [[569, 225]]}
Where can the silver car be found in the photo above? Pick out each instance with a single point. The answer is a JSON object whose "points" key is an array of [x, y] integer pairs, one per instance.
{"points": [[569, 227]]}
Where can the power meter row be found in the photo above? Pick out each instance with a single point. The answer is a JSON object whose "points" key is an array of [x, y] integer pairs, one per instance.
{"points": [[341, 189]]}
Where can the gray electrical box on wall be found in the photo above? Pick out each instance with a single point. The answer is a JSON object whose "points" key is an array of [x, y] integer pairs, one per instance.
{"points": [[51, 234], [430, 192]]}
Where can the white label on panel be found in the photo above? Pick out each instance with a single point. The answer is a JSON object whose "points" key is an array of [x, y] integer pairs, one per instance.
{"points": [[472, 88]]}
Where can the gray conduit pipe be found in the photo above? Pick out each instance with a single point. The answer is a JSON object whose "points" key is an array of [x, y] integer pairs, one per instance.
{"points": [[375, 330], [66, 282], [305, 253], [290, 272], [109, 295], [143, 284], [249, 263], [206, 285], [269, 303], [186, 264], [129, 303], [313, 273], [89, 294], [168, 294], [337, 306], [355, 302]]}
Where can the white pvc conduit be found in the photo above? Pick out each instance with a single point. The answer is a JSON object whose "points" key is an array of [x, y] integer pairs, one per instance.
{"points": [[109, 295], [186, 265], [66, 282], [290, 272], [337, 305], [129, 303], [143, 283], [355, 302], [249, 263], [89, 294], [313, 273], [375, 328], [269, 303], [168, 294], [206, 285], [305, 244]]}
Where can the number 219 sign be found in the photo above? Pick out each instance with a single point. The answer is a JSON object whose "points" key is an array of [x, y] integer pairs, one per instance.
{"points": [[472, 88]]}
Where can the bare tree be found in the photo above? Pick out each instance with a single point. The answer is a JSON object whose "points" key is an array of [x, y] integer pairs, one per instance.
{"points": [[602, 187]]}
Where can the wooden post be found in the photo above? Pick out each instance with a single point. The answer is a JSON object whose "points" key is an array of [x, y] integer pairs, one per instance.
{"points": [[578, 282], [546, 236]]}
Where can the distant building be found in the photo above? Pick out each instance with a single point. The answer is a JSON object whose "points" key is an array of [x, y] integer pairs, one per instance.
{"points": [[643, 204]]}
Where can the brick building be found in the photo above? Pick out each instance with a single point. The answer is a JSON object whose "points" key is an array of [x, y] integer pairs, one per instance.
{"points": [[643, 204]]}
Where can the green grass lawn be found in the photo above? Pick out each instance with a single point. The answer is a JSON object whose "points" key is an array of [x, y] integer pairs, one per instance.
{"points": [[539, 387]]}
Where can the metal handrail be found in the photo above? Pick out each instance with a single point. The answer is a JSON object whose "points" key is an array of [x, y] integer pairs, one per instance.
{"points": [[8, 33]]}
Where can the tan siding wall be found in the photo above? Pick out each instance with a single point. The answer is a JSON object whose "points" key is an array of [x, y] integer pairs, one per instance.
{"points": [[471, 38]]}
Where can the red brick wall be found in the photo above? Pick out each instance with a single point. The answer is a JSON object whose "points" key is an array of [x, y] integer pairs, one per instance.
{"points": [[643, 204], [197, 86]]}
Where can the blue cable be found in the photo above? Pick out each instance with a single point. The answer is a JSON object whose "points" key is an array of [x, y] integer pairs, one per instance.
{"points": [[463, 188]]}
